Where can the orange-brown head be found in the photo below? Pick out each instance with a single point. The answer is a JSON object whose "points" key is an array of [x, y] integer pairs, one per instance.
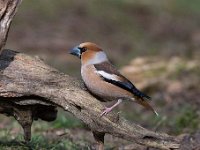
{"points": [[87, 51]]}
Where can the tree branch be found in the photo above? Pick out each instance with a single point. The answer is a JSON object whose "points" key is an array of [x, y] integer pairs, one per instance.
{"points": [[25, 76], [7, 11]]}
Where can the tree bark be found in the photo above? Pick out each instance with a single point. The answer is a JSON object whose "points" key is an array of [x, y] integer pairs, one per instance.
{"points": [[23, 77], [7, 11]]}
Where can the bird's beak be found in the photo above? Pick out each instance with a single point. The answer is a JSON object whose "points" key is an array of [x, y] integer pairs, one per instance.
{"points": [[75, 51]]}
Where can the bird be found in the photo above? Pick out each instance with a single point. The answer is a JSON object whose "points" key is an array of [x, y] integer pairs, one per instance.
{"points": [[103, 80]]}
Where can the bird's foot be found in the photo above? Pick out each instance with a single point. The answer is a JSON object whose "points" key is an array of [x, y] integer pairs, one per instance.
{"points": [[106, 111]]}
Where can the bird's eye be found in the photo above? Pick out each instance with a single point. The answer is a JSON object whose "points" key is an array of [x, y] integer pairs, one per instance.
{"points": [[83, 49]]}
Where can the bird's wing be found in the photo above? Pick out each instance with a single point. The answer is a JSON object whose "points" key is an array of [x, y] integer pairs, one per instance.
{"points": [[111, 75]]}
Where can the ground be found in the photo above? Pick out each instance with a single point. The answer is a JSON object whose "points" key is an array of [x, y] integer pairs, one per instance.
{"points": [[154, 44]]}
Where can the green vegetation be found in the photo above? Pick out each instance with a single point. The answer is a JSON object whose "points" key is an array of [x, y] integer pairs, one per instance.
{"points": [[11, 139], [38, 142], [187, 120]]}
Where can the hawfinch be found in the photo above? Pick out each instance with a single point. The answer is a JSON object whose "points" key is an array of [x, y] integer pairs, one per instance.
{"points": [[103, 80]]}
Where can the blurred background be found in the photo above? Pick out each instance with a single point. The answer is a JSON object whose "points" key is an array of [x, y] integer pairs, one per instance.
{"points": [[156, 44]]}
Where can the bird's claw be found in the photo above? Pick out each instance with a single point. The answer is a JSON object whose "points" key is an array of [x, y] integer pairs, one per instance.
{"points": [[106, 111]]}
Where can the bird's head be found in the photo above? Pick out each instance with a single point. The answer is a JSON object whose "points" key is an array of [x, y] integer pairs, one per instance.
{"points": [[85, 49], [88, 51]]}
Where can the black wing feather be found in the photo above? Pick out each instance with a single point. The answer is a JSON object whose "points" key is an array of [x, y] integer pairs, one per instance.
{"points": [[125, 84]]}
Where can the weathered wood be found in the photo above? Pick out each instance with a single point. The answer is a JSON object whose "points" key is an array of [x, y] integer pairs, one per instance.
{"points": [[25, 76], [24, 117], [25, 113], [7, 12], [99, 138]]}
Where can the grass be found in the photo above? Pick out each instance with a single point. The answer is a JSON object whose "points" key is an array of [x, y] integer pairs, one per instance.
{"points": [[9, 139], [66, 120], [37, 142], [188, 119]]}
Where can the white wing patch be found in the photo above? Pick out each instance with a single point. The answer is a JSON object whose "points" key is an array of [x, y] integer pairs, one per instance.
{"points": [[108, 76]]}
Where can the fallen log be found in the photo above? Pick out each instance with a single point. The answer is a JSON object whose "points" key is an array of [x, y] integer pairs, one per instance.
{"points": [[26, 80]]}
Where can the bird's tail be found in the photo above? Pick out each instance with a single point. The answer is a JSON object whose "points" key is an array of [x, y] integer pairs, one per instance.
{"points": [[139, 94], [146, 105]]}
